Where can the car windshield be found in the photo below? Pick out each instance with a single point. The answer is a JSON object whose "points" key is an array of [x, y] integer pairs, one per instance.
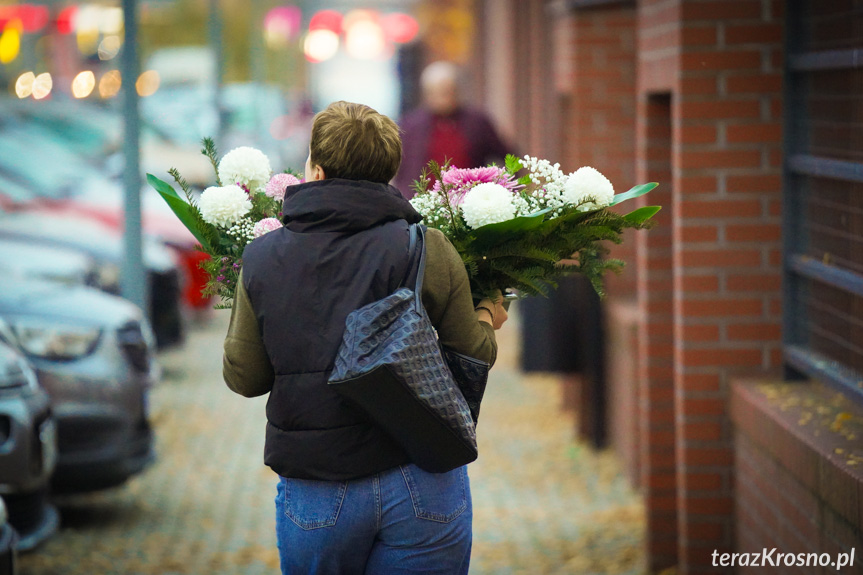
{"points": [[22, 162]]}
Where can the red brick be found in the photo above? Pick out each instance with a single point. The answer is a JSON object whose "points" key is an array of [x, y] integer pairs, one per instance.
{"points": [[723, 307], [700, 283], [704, 407], [753, 133], [754, 183], [753, 233], [721, 61], [713, 456], [776, 108], [774, 208], [699, 233], [721, 258], [700, 381], [743, 357], [754, 84], [707, 506], [721, 10], [753, 33], [712, 531], [775, 307], [699, 134], [777, 59], [702, 431], [754, 282], [701, 333], [698, 184], [754, 332], [703, 481], [775, 257], [719, 159], [699, 85], [721, 209], [720, 109], [699, 35]]}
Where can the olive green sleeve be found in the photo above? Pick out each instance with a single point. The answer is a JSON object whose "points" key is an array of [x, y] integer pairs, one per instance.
{"points": [[246, 366], [448, 301]]}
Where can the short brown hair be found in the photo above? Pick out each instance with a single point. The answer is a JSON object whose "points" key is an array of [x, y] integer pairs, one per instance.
{"points": [[355, 142]]}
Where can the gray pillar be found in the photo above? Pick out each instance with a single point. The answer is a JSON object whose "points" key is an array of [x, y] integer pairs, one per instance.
{"points": [[133, 279]]}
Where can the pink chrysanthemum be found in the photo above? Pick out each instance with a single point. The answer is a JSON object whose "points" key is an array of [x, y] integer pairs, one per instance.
{"points": [[276, 186], [265, 226], [461, 180]]}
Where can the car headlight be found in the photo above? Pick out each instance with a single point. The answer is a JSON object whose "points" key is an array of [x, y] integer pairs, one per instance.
{"points": [[16, 372], [55, 341], [107, 277]]}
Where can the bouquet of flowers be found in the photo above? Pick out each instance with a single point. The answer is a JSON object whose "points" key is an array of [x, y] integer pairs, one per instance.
{"points": [[514, 234], [521, 234], [244, 204]]}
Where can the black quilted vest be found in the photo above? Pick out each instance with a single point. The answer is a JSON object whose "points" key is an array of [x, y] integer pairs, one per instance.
{"points": [[344, 244]]}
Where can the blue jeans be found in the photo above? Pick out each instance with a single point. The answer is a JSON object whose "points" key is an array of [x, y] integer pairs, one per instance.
{"points": [[403, 520]]}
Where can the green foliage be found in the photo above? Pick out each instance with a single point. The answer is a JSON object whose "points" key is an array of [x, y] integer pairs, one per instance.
{"points": [[208, 148], [225, 250], [513, 164], [529, 254]]}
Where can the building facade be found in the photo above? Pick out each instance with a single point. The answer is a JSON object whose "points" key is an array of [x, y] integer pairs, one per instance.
{"points": [[732, 337]]}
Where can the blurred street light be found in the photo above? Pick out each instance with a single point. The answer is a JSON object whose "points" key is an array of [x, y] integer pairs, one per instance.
{"points": [[109, 47], [320, 45], [10, 41], [24, 84], [83, 84], [147, 84], [364, 37], [42, 85], [110, 84]]}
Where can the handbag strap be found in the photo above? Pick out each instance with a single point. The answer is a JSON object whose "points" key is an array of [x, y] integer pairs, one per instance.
{"points": [[412, 231], [421, 268]]}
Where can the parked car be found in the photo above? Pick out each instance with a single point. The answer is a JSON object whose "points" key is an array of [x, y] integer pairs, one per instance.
{"points": [[94, 355], [83, 178], [28, 450], [8, 544], [105, 246], [26, 260], [31, 186]]}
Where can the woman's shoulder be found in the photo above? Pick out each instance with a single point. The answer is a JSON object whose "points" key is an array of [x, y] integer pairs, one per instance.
{"points": [[441, 255], [438, 243]]}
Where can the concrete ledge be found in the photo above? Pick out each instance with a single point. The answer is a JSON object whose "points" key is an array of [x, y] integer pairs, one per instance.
{"points": [[813, 432]]}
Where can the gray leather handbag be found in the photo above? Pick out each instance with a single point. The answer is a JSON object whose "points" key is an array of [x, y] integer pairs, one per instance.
{"points": [[391, 365]]}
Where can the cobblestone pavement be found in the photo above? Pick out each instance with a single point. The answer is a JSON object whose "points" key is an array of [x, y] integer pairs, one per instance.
{"points": [[543, 504]]}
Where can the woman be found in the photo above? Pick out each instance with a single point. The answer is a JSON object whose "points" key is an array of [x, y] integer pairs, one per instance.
{"points": [[348, 500]]}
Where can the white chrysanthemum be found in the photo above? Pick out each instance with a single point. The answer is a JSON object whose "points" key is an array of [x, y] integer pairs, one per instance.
{"points": [[224, 206], [587, 182], [487, 203], [245, 166]]}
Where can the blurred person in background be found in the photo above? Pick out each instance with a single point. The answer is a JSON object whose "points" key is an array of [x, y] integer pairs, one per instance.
{"points": [[349, 500], [443, 128]]}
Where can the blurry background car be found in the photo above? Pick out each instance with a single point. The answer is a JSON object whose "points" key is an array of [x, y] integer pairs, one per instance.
{"points": [[28, 450], [104, 245], [93, 354], [26, 260], [8, 544], [85, 185]]}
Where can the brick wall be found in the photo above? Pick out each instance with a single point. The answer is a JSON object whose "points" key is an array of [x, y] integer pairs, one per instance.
{"points": [[727, 250]]}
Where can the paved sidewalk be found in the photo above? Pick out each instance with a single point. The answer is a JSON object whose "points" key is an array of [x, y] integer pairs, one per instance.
{"points": [[542, 503]]}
